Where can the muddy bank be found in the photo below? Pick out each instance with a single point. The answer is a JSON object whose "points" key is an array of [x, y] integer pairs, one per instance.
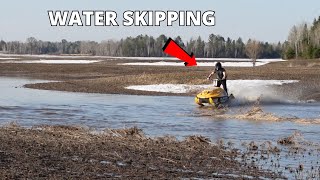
{"points": [[51, 152]]}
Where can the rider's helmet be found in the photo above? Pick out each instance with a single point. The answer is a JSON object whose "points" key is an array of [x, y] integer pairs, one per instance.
{"points": [[218, 66]]}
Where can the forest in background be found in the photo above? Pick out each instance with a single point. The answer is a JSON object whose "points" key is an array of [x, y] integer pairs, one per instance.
{"points": [[143, 46], [303, 42]]}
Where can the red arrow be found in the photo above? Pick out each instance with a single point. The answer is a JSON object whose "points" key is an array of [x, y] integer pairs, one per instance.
{"points": [[173, 49]]}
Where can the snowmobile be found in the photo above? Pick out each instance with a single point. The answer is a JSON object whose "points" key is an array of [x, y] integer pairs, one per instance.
{"points": [[216, 97]]}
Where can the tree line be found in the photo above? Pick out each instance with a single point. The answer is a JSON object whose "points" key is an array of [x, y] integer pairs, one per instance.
{"points": [[215, 46], [303, 42]]}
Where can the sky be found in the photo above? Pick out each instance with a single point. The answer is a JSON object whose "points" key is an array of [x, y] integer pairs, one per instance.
{"points": [[262, 20]]}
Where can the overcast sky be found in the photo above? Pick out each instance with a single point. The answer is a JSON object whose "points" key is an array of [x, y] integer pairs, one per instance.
{"points": [[263, 20]]}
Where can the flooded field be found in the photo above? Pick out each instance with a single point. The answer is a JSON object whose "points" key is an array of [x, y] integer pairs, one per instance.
{"points": [[157, 115], [172, 115], [273, 123]]}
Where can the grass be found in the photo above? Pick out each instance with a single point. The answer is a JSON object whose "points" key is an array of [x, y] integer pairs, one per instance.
{"points": [[55, 152]]}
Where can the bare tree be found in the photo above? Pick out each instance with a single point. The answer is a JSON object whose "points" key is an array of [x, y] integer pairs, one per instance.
{"points": [[293, 39], [88, 47], [3, 46], [107, 48], [253, 50], [296, 36], [32, 44]]}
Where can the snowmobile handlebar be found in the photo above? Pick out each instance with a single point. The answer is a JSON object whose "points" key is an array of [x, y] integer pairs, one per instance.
{"points": [[214, 81]]}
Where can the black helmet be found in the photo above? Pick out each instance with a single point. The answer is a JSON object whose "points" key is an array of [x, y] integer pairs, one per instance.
{"points": [[218, 66]]}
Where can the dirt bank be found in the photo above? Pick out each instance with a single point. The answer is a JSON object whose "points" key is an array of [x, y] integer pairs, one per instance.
{"points": [[55, 152]]}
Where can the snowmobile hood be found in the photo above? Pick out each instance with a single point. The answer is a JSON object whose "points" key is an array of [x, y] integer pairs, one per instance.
{"points": [[214, 93]]}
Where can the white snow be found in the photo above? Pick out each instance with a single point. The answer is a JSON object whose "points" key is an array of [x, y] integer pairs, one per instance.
{"points": [[132, 58], [231, 62], [226, 64], [44, 61], [198, 59], [6, 58], [250, 89], [158, 61], [270, 60], [161, 63], [49, 56], [169, 88]]}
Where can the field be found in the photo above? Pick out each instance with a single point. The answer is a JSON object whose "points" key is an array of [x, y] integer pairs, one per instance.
{"points": [[109, 77], [54, 152]]}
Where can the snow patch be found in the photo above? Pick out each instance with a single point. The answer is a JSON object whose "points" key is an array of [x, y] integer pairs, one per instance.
{"points": [[226, 64], [43, 61], [241, 89], [7, 58], [14, 56], [233, 85], [198, 59], [48, 56]]}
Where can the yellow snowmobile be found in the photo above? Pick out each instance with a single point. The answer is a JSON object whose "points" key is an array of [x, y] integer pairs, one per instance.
{"points": [[216, 97]]}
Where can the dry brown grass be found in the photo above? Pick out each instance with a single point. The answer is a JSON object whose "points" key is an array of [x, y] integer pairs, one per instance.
{"points": [[64, 152], [290, 140]]}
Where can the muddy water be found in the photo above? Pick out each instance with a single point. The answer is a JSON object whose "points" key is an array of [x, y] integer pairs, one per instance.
{"points": [[177, 116]]}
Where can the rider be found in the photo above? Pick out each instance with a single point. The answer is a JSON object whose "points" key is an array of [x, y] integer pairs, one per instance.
{"points": [[221, 76]]}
